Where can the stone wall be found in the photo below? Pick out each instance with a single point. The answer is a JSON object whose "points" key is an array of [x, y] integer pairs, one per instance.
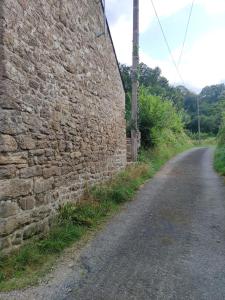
{"points": [[62, 123]]}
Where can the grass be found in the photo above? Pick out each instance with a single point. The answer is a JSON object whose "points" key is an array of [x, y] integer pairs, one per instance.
{"points": [[34, 259], [210, 141], [158, 156], [205, 139], [219, 159]]}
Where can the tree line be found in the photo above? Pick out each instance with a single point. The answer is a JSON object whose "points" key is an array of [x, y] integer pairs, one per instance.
{"points": [[165, 101]]}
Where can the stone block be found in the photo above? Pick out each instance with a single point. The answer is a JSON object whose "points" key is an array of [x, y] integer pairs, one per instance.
{"points": [[11, 122], [43, 185], [78, 167], [36, 152], [7, 143], [13, 158], [27, 203], [52, 171], [76, 154], [26, 142], [49, 152], [4, 242], [31, 172], [34, 84], [13, 188], [41, 212], [30, 231], [43, 226], [17, 238], [7, 172], [8, 226], [8, 209], [44, 199]]}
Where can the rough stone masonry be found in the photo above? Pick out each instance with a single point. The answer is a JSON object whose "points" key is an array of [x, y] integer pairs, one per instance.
{"points": [[62, 123]]}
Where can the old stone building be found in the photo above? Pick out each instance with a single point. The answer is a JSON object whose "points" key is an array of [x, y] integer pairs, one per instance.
{"points": [[62, 105]]}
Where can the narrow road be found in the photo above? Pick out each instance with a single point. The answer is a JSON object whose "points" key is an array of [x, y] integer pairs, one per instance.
{"points": [[168, 244]]}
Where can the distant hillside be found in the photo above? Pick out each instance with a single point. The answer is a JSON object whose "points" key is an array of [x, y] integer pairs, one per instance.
{"points": [[213, 93], [212, 105]]}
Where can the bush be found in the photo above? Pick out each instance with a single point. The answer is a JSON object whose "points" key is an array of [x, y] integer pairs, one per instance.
{"points": [[159, 121], [221, 134], [219, 161]]}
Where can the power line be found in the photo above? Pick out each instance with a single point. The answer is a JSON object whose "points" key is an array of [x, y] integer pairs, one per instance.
{"points": [[167, 44], [186, 32]]}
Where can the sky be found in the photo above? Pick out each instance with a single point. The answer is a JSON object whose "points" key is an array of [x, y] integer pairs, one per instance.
{"points": [[203, 60]]}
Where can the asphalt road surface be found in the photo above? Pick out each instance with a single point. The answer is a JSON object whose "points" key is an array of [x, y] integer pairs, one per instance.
{"points": [[168, 244]]}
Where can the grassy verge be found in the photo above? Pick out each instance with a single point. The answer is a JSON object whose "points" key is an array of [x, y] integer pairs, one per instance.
{"points": [[205, 139], [158, 156], [33, 260], [219, 159], [211, 141]]}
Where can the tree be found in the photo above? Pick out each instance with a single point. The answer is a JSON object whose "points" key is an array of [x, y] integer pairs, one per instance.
{"points": [[152, 79], [211, 99]]}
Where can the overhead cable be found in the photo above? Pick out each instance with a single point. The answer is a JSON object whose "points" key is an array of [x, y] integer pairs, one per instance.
{"points": [[186, 33], [166, 41]]}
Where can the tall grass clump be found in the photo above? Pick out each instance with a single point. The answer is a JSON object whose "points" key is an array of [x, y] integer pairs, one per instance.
{"points": [[219, 159]]}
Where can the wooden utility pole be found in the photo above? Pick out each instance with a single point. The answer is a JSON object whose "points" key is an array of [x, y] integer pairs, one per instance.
{"points": [[199, 122], [134, 128]]}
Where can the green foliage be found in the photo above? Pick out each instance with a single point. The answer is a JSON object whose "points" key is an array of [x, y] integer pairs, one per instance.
{"points": [[211, 99], [26, 256], [221, 134], [160, 116], [79, 215], [157, 156], [213, 93], [159, 121], [126, 75], [211, 102], [152, 79], [160, 107], [219, 160], [60, 237], [2, 276]]}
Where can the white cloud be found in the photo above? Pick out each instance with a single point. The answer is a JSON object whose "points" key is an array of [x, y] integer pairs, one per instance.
{"points": [[165, 8], [166, 66], [120, 15], [122, 38], [202, 64], [214, 7]]}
